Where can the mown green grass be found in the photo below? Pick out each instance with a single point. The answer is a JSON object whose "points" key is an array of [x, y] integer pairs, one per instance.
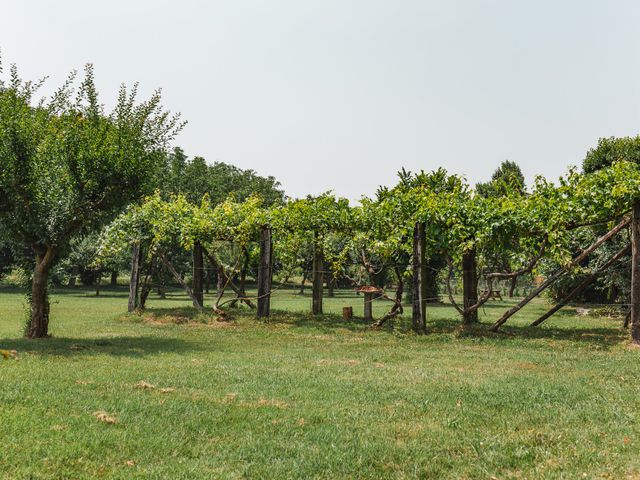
{"points": [[304, 397]]}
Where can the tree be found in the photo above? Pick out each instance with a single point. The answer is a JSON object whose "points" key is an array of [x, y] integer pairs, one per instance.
{"points": [[506, 180], [193, 177], [66, 165], [610, 150]]}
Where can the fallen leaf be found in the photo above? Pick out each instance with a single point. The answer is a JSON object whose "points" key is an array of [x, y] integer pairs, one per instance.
{"points": [[144, 385], [7, 354], [230, 397], [104, 417]]}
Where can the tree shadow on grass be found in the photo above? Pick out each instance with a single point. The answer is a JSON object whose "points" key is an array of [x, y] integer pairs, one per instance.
{"points": [[136, 347], [326, 323], [602, 337]]}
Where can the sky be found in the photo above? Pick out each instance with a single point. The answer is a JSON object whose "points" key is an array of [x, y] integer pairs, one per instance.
{"points": [[341, 94]]}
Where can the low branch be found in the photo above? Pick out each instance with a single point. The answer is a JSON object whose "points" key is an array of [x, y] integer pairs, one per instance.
{"points": [[396, 309], [522, 271]]}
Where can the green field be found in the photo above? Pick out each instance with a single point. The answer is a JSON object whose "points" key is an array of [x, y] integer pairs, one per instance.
{"points": [[303, 397]]}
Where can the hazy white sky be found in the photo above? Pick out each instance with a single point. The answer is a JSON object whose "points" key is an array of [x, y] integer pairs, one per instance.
{"points": [[340, 94]]}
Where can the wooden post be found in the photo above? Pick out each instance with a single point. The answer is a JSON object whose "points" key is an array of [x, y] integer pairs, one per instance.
{"points": [[419, 286], [265, 272], [535, 292], [134, 282], [198, 273], [469, 285], [584, 284], [318, 265], [368, 306], [635, 274]]}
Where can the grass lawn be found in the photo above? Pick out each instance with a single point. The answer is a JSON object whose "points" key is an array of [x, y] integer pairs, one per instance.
{"points": [[300, 397]]}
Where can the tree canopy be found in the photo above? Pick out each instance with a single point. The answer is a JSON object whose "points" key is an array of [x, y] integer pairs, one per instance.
{"points": [[66, 164]]}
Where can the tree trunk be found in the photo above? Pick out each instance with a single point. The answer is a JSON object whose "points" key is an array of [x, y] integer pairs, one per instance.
{"points": [[304, 279], [318, 265], [220, 284], [635, 274], [134, 282], [114, 278], [368, 306], [418, 299], [146, 284], [73, 276], [330, 283], [39, 323], [207, 279], [265, 272], [98, 282], [198, 273], [512, 286], [469, 286], [243, 272]]}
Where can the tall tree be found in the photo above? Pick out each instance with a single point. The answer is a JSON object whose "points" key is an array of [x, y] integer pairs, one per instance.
{"points": [[506, 180], [610, 150], [67, 165]]}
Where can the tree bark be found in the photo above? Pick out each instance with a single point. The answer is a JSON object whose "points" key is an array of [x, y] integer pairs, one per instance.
{"points": [[512, 286], [220, 284], [39, 323], [635, 274], [536, 291], [419, 287], [368, 306], [318, 277], [469, 286], [98, 282], [243, 272], [73, 276], [198, 273], [331, 281], [265, 272], [134, 282], [304, 279]]}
